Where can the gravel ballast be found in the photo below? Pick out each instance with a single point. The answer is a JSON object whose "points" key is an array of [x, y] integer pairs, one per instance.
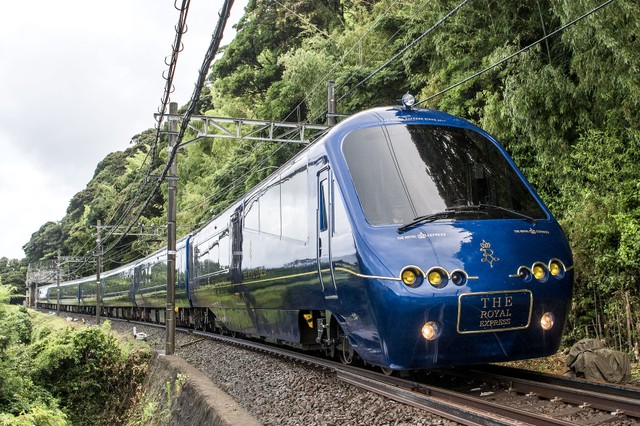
{"points": [[282, 392]]}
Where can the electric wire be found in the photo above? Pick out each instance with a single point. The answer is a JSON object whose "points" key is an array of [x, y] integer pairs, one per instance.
{"points": [[375, 54], [177, 47], [211, 52], [342, 59], [524, 49], [407, 47]]}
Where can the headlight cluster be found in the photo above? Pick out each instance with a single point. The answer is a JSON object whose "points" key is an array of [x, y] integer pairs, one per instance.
{"points": [[413, 276], [541, 271]]}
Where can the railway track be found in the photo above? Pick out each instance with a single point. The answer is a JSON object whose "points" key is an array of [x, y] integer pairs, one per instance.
{"points": [[479, 395], [594, 403]]}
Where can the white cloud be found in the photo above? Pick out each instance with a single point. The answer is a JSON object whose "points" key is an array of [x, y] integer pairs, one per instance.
{"points": [[79, 80]]}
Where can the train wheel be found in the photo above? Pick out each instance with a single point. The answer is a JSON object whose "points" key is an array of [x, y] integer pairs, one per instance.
{"points": [[387, 371], [345, 350]]}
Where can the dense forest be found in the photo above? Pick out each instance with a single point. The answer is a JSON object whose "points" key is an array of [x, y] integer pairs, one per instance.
{"points": [[566, 108]]}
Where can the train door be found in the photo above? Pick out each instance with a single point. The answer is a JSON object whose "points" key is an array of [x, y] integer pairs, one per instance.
{"points": [[324, 227]]}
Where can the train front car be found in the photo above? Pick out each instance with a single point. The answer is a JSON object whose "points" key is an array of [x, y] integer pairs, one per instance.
{"points": [[459, 260]]}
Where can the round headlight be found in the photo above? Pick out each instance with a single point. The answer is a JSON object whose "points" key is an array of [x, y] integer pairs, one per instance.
{"points": [[547, 320], [411, 277], [458, 277], [408, 100], [525, 274], [540, 271], [437, 277], [556, 268], [408, 277], [431, 330]]}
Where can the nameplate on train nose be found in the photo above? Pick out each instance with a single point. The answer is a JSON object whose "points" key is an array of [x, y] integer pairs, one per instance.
{"points": [[494, 311]]}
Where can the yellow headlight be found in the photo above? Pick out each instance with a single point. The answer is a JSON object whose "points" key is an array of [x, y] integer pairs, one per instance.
{"points": [[435, 279], [539, 272], [556, 269], [408, 277]]}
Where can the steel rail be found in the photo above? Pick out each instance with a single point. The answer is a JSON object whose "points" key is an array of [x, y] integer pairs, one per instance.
{"points": [[451, 405], [616, 399], [457, 406], [465, 407]]}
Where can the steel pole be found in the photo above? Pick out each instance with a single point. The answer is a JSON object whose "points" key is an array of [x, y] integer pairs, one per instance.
{"points": [[98, 270], [172, 184], [331, 102], [58, 302]]}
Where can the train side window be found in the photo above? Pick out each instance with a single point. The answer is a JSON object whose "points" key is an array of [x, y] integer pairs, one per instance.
{"points": [[340, 219], [252, 215], [270, 211], [223, 247], [322, 206], [294, 205]]}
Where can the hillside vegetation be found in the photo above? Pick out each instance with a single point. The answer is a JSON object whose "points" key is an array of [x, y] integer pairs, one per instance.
{"points": [[54, 374], [566, 109]]}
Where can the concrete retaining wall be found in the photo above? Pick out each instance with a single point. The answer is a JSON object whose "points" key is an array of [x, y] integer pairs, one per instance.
{"points": [[182, 395]]}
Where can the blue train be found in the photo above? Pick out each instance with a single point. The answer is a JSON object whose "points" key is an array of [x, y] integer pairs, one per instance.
{"points": [[405, 237]]}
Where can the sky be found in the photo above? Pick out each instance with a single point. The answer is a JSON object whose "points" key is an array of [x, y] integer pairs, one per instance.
{"points": [[79, 79]]}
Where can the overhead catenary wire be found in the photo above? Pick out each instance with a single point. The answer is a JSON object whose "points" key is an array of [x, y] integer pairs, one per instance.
{"points": [[342, 59], [177, 47], [407, 47], [211, 52], [513, 55], [380, 48]]}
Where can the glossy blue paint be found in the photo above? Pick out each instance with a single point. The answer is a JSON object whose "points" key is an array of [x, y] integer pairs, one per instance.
{"points": [[306, 241]]}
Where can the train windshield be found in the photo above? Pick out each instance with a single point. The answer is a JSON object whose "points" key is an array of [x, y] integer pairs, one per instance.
{"points": [[402, 172]]}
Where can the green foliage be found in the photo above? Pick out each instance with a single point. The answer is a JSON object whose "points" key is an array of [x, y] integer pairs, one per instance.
{"points": [[13, 274], [88, 371], [567, 111], [52, 374]]}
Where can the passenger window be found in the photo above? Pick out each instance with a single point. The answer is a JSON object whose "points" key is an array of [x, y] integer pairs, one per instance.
{"points": [[340, 219], [322, 205], [270, 211], [294, 205], [252, 215], [223, 247]]}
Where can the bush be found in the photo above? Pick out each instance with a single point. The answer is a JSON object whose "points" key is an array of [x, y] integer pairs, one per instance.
{"points": [[89, 372], [54, 374]]}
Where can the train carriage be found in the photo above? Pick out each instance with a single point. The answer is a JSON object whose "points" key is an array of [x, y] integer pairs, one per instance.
{"points": [[405, 237]]}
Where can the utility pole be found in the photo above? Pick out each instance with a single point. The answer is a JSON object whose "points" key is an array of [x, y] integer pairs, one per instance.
{"points": [[172, 178], [59, 272], [99, 270], [331, 103]]}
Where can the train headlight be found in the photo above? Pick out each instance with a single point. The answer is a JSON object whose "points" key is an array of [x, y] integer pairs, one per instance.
{"points": [[411, 277], [437, 277], [556, 269], [540, 272], [525, 273], [459, 277], [431, 330], [408, 100], [547, 320]]}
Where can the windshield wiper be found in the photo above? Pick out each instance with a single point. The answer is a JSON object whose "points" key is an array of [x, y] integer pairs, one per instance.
{"points": [[451, 212], [506, 210], [485, 207], [446, 214]]}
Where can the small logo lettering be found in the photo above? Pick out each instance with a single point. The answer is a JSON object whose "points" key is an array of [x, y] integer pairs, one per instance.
{"points": [[487, 252]]}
